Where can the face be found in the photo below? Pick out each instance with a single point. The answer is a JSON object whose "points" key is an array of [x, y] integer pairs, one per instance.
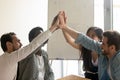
{"points": [[92, 35], [16, 44], [105, 48]]}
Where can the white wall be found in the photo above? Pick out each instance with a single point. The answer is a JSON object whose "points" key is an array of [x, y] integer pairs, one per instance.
{"points": [[20, 16], [80, 16]]}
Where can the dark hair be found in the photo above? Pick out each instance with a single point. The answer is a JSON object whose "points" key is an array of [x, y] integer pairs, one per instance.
{"points": [[5, 38], [34, 32], [86, 54], [113, 38], [98, 31]]}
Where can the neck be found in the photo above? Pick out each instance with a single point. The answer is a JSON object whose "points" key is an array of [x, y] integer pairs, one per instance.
{"points": [[111, 55], [9, 51]]}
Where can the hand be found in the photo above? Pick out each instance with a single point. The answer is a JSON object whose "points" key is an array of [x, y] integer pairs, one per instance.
{"points": [[62, 19], [55, 23]]}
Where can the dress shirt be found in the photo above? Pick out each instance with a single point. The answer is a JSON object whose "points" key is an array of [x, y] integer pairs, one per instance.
{"points": [[8, 62]]}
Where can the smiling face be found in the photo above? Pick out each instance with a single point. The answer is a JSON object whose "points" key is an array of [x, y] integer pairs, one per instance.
{"points": [[108, 50], [105, 48], [111, 43], [14, 45]]}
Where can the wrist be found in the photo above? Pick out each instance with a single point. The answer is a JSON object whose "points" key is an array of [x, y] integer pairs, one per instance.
{"points": [[64, 27], [52, 29]]}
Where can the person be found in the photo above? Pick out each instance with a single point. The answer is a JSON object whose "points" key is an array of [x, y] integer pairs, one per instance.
{"points": [[13, 53], [108, 49], [36, 65], [90, 58]]}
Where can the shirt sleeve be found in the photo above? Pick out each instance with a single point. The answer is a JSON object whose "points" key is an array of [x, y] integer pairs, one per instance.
{"points": [[88, 43], [20, 54]]}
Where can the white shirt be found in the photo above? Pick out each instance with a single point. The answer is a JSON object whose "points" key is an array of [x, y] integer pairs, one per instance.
{"points": [[95, 63], [8, 62], [41, 67]]}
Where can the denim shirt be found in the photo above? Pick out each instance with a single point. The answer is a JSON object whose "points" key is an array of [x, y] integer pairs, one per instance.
{"points": [[103, 61]]}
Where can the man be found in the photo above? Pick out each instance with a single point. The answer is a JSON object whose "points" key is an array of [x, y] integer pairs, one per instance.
{"points": [[36, 65], [108, 50], [13, 53]]}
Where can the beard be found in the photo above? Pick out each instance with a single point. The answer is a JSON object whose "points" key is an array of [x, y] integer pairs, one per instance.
{"points": [[105, 52], [16, 48]]}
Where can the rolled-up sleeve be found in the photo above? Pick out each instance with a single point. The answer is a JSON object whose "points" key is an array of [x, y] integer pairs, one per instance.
{"points": [[88, 43]]}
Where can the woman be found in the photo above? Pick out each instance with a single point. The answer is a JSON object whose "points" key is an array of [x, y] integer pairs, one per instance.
{"points": [[90, 58]]}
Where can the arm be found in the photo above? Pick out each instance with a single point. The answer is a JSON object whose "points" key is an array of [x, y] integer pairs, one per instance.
{"points": [[64, 27], [79, 37], [38, 41], [70, 40], [20, 54], [74, 34]]}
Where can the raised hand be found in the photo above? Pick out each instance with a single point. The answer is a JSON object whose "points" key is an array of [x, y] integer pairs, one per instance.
{"points": [[62, 19], [55, 23], [59, 21]]}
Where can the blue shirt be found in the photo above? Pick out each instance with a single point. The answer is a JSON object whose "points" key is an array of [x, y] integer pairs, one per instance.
{"points": [[103, 61]]}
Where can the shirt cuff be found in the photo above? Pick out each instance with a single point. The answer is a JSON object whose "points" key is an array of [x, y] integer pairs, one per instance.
{"points": [[49, 32]]}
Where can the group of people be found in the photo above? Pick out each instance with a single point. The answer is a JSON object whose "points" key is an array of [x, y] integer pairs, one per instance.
{"points": [[100, 52]]}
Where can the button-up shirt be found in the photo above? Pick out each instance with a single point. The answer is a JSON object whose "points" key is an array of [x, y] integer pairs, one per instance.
{"points": [[103, 61]]}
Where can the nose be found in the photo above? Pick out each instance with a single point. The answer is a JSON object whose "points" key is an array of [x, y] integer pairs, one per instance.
{"points": [[21, 44]]}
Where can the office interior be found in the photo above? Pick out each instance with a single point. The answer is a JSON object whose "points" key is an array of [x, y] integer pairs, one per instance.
{"points": [[20, 16]]}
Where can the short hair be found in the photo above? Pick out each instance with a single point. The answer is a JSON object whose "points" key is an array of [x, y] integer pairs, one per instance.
{"points": [[34, 32], [5, 38], [113, 38]]}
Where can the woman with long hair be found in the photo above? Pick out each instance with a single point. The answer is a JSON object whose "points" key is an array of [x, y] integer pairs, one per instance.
{"points": [[90, 58]]}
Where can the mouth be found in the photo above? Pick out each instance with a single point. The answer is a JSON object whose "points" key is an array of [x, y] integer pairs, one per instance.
{"points": [[102, 50]]}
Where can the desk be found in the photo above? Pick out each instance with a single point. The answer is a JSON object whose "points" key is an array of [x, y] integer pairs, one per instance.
{"points": [[73, 77]]}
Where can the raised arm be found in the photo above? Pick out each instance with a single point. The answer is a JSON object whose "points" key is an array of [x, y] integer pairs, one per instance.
{"points": [[64, 27], [69, 35], [71, 41], [37, 42], [79, 38]]}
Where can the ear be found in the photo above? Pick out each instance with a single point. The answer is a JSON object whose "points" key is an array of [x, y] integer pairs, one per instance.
{"points": [[8, 44], [113, 48]]}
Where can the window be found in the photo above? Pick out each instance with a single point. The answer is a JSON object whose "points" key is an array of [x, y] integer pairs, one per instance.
{"points": [[99, 13], [116, 15]]}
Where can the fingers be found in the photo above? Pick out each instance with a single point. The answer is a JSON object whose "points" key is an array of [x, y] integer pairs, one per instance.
{"points": [[64, 17], [61, 18], [59, 21]]}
